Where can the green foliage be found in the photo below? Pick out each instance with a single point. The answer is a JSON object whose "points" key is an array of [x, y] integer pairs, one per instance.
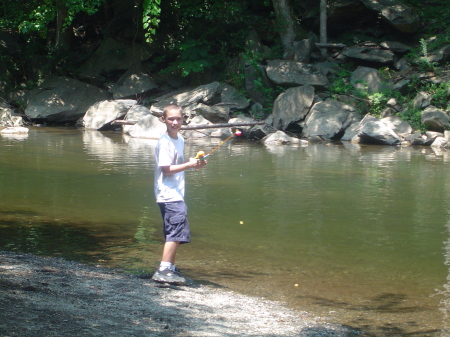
{"points": [[150, 17], [38, 18], [212, 30], [341, 84], [414, 117], [194, 57]]}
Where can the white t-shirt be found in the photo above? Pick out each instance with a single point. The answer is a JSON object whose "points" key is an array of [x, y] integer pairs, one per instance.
{"points": [[168, 152]]}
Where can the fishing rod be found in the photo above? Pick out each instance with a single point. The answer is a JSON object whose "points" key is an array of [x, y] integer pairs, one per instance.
{"points": [[201, 154]]}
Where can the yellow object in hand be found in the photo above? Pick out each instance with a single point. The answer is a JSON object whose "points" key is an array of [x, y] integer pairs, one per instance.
{"points": [[200, 155]]}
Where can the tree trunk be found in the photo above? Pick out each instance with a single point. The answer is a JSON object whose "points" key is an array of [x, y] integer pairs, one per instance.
{"points": [[62, 33], [323, 24], [286, 23]]}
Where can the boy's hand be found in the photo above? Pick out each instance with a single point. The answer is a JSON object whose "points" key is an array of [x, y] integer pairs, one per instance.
{"points": [[197, 163]]}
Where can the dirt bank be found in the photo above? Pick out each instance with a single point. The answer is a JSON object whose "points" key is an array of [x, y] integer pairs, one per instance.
{"points": [[54, 297]]}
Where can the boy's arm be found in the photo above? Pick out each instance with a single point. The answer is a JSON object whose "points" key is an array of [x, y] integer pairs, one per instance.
{"points": [[191, 164]]}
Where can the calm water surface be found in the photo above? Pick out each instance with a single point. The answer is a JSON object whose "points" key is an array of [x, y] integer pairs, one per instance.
{"points": [[356, 235]]}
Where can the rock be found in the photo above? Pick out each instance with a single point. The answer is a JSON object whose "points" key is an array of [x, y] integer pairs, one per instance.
{"points": [[9, 118], [302, 50], [233, 98], [113, 57], [101, 114], [329, 120], [436, 119], [133, 84], [440, 55], [396, 13], [260, 131], [147, 127], [291, 73], [422, 100], [397, 124], [369, 54], [255, 79], [14, 130], [62, 100], [188, 100], [439, 142], [416, 138], [431, 136], [374, 131], [281, 138], [136, 113], [368, 80], [215, 114], [395, 47], [292, 106]]}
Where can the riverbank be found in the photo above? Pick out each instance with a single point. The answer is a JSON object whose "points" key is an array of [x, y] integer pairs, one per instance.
{"points": [[55, 297]]}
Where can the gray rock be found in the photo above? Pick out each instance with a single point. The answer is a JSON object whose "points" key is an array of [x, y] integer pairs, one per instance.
{"points": [[101, 114], [9, 119], [396, 13], [133, 84], [440, 55], [187, 99], [281, 138], [233, 98], [215, 114], [292, 73], [368, 80], [329, 120], [369, 54], [292, 106], [399, 126], [374, 131], [436, 119], [62, 100], [111, 57], [147, 127]]}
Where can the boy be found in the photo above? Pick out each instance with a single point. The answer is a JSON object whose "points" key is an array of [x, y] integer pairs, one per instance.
{"points": [[169, 192]]}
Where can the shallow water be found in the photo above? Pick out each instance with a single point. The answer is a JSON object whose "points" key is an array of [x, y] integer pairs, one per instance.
{"points": [[356, 234]]}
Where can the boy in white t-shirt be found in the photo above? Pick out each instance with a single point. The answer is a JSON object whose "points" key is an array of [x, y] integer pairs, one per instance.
{"points": [[169, 191]]}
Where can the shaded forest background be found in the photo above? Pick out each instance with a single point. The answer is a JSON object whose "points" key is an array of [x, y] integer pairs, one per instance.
{"points": [[189, 38]]}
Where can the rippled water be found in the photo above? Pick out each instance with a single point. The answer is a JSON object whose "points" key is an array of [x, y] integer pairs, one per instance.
{"points": [[357, 235]]}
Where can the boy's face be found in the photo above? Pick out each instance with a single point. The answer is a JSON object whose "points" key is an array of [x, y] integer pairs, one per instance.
{"points": [[173, 120]]}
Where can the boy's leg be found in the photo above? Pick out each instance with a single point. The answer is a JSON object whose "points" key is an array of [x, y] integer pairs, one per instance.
{"points": [[170, 251]]}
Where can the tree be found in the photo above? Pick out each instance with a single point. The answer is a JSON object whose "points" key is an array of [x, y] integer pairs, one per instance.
{"points": [[323, 23], [287, 27]]}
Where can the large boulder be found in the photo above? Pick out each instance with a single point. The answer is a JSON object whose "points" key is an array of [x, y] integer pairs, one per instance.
{"points": [[291, 73], [292, 106], [233, 98], [62, 100], [8, 118], [147, 127], [189, 99], [435, 119], [133, 84], [369, 54], [329, 119], [111, 58], [101, 114], [215, 114], [371, 130], [396, 13], [368, 80], [281, 138]]}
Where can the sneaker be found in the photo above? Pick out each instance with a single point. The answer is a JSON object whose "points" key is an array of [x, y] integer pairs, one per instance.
{"points": [[168, 276]]}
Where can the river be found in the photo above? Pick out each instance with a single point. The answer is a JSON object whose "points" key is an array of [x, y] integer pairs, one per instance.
{"points": [[359, 235]]}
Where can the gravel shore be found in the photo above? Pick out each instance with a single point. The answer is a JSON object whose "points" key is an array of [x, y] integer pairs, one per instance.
{"points": [[54, 297]]}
